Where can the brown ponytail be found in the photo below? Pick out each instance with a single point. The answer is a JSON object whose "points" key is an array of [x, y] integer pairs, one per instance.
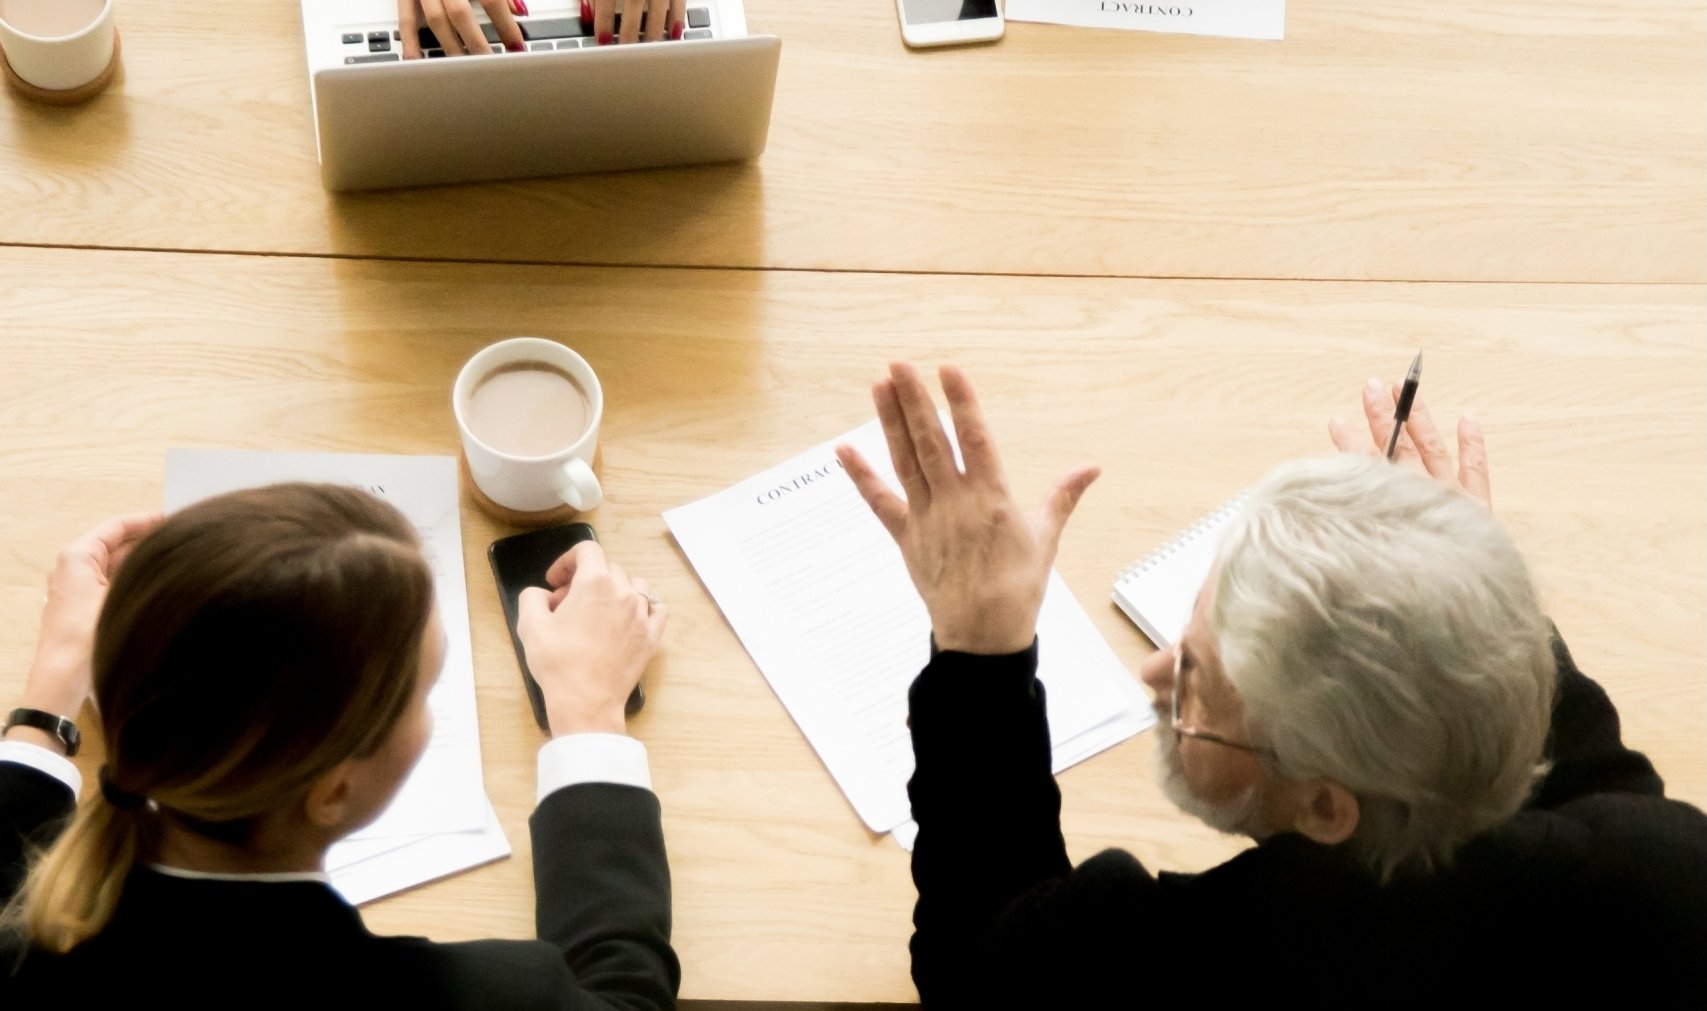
{"points": [[249, 645]]}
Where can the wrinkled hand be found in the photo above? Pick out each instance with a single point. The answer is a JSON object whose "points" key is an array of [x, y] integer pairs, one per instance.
{"points": [[59, 678], [980, 564], [1421, 447], [588, 640]]}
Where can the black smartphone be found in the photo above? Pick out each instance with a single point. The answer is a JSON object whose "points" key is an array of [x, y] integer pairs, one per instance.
{"points": [[521, 561]]}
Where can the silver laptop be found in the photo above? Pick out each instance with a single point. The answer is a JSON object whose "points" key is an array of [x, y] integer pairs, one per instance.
{"points": [[565, 105]]}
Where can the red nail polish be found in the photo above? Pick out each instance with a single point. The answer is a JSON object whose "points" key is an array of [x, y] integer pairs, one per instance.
{"points": [[606, 38], [519, 8], [586, 12], [677, 28], [516, 47]]}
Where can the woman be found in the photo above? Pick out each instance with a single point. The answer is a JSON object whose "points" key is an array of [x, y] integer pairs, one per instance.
{"points": [[261, 664]]}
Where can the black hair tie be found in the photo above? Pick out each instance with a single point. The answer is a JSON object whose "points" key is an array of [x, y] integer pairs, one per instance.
{"points": [[118, 798]]}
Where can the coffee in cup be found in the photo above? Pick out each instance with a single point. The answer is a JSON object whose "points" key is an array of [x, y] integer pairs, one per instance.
{"points": [[528, 410]]}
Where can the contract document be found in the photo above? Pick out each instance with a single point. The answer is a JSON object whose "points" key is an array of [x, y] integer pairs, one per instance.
{"points": [[1238, 19], [817, 592], [440, 821]]}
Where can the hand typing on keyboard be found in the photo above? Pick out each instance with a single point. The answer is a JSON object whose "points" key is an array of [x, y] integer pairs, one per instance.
{"points": [[449, 27], [640, 20]]}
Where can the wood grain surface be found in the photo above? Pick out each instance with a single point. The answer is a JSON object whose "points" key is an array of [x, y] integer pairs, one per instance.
{"points": [[1403, 140], [1186, 391]]}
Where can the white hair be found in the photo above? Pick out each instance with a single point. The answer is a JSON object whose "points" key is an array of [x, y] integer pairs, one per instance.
{"points": [[1384, 634]]}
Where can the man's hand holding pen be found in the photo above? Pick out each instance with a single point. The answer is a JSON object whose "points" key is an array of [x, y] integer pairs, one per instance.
{"points": [[1419, 445]]}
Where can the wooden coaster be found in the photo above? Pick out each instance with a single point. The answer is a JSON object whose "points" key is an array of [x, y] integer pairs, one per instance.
{"points": [[515, 517], [69, 96]]}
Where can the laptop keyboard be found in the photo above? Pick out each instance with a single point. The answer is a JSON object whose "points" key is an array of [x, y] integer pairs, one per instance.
{"points": [[385, 45]]}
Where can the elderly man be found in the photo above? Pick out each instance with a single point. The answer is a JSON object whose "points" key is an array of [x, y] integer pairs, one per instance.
{"points": [[1367, 687]]}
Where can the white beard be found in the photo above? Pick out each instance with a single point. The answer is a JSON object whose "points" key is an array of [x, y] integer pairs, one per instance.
{"points": [[1240, 816]]}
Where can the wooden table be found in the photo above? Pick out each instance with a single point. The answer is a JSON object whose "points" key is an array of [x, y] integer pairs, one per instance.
{"points": [[1212, 243], [1402, 140], [1184, 390]]}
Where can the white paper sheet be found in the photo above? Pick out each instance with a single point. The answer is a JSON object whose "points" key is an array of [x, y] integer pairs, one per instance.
{"points": [[445, 792], [818, 594], [1238, 19], [364, 871]]}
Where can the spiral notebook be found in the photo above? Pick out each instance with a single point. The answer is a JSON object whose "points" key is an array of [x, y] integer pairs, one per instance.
{"points": [[1158, 590]]}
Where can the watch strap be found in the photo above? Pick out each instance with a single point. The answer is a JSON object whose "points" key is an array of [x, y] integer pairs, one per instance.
{"points": [[58, 726]]}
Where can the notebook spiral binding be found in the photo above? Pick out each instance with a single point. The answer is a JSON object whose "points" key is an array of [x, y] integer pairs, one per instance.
{"points": [[1203, 525]]}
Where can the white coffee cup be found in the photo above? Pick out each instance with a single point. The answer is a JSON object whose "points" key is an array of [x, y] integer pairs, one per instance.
{"points": [[72, 53], [532, 484]]}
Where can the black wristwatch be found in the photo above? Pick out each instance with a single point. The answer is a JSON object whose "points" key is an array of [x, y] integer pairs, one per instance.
{"points": [[58, 726]]}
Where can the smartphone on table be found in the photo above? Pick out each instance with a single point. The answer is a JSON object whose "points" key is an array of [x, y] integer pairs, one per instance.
{"points": [[948, 22], [521, 561]]}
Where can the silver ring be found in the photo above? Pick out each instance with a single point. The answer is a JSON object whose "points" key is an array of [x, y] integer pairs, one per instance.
{"points": [[651, 601]]}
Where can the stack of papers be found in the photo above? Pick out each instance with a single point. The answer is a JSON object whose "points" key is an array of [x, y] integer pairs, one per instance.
{"points": [[819, 595], [441, 820]]}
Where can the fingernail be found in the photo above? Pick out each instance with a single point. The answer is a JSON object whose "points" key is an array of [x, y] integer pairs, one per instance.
{"points": [[1471, 423], [586, 12], [1372, 385], [519, 8], [606, 38], [516, 47], [677, 28]]}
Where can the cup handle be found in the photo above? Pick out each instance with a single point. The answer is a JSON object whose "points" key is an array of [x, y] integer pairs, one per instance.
{"points": [[579, 486]]}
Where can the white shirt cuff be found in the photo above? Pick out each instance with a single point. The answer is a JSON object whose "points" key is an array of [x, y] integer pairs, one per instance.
{"points": [[43, 760], [592, 758]]}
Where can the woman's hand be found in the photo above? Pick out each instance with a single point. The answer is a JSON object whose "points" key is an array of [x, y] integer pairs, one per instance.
{"points": [[453, 23], [980, 564], [665, 19], [588, 641], [59, 678], [1420, 446]]}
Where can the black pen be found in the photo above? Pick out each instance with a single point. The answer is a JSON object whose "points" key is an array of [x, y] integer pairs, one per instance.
{"points": [[1407, 393]]}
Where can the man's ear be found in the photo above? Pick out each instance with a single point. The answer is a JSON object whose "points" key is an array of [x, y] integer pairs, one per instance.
{"points": [[327, 803], [1327, 813]]}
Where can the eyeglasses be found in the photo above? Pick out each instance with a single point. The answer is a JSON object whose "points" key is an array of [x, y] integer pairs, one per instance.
{"points": [[1203, 735]]}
